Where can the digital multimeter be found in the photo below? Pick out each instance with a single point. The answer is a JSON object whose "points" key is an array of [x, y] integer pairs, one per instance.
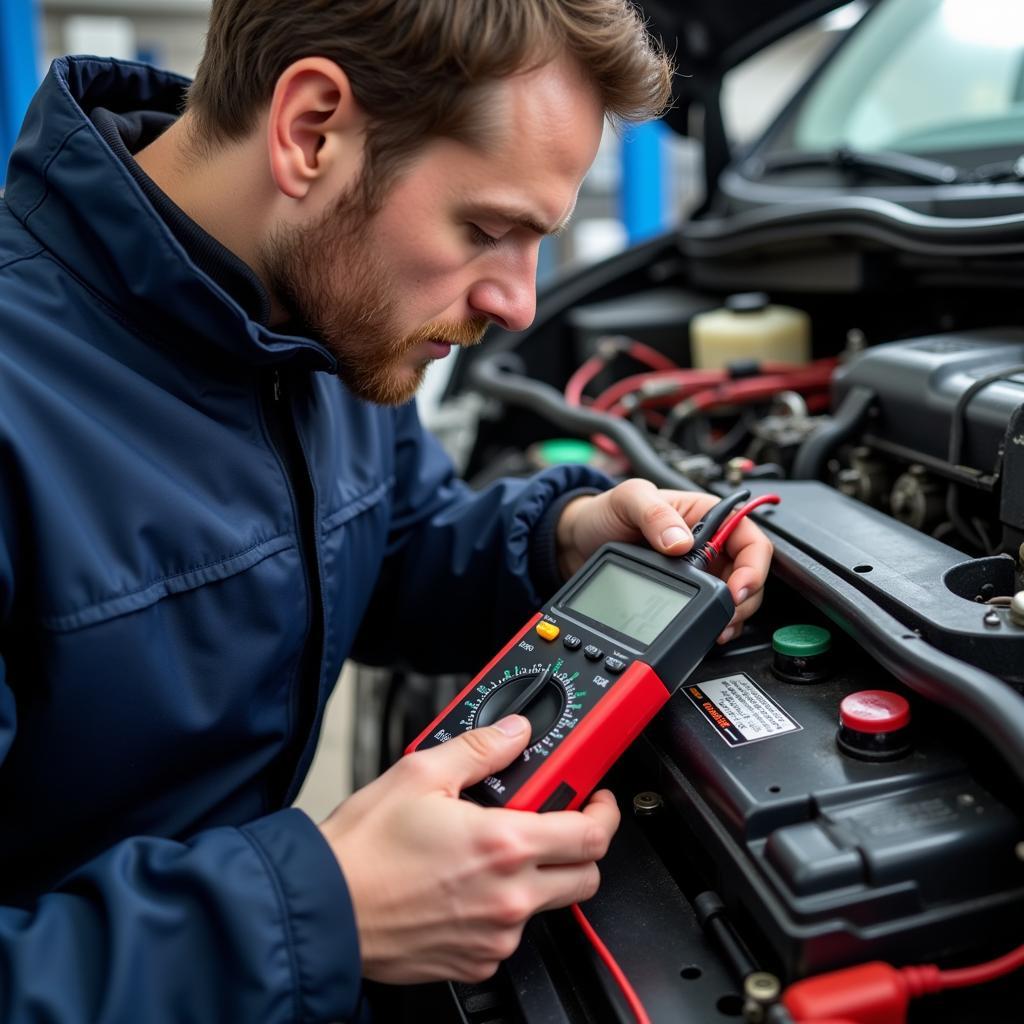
{"points": [[589, 671]]}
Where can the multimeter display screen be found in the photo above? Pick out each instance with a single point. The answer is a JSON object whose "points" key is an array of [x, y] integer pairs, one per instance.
{"points": [[630, 603]]}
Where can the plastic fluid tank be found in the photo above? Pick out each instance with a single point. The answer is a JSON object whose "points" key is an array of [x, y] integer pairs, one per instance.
{"points": [[750, 327]]}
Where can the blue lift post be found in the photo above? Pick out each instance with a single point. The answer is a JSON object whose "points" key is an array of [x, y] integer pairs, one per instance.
{"points": [[642, 192], [19, 69]]}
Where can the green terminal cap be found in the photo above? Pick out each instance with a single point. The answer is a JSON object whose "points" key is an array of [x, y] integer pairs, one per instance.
{"points": [[562, 450], [801, 641]]}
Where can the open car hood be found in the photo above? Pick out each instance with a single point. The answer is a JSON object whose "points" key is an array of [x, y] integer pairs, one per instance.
{"points": [[710, 37]]}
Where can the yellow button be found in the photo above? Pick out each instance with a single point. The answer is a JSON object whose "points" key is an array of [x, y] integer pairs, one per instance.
{"points": [[547, 630]]}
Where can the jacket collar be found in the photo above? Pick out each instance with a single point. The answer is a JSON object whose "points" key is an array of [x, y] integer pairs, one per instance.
{"points": [[73, 192]]}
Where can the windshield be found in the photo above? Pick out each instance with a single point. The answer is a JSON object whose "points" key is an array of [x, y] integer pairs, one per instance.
{"points": [[920, 76]]}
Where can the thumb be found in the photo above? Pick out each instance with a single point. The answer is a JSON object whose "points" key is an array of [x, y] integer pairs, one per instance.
{"points": [[475, 754]]}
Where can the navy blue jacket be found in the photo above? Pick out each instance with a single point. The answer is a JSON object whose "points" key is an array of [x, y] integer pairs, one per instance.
{"points": [[196, 529]]}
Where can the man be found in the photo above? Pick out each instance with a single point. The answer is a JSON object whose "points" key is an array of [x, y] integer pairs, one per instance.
{"points": [[213, 489]]}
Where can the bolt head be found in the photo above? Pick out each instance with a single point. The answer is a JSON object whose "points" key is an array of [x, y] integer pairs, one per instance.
{"points": [[762, 986], [647, 802]]}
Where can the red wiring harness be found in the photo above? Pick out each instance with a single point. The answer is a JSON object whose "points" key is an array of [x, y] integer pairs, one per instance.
{"points": [[878, 993], [607, 349], [710, 388], [665, 384]]}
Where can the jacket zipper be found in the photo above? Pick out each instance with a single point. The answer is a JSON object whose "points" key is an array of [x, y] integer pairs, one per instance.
{"points": [[304, 696]]}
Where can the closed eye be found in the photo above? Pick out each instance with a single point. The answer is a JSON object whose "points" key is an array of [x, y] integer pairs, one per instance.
{"points": [[480, 237]]}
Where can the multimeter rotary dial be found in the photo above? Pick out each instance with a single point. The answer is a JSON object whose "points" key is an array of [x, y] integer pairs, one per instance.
{"points": [[534, 691]]}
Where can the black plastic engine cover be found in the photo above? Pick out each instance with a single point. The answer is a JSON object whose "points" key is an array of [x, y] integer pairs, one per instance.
{"points": [[918, 384], [930, 587]]}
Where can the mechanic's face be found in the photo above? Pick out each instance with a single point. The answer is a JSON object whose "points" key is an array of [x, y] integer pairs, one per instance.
{"points": [[454, 244]]}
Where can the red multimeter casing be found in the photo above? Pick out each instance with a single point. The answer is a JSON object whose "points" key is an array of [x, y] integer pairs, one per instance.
{"points": [[615, 643]]}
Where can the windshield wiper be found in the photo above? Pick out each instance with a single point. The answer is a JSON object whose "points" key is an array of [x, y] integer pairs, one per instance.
{"points": [[1005, 171], [896, 164]]}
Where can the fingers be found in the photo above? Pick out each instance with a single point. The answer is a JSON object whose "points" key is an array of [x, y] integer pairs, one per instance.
{"points": [[745, 575], [654, 514], [564, 847], [547, 889], [473, 755], [751, 554], [563, 885], [743, 612], [568, 837], [662, 517]]}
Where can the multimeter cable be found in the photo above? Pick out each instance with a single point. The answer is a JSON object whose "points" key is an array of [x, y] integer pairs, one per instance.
{"points": [[719, 539], [716, 516], [609, 961], [702, 555]]}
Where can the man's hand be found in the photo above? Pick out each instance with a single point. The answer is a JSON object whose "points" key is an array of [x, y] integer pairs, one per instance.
{"points": [[637, 509], [442, 887]]}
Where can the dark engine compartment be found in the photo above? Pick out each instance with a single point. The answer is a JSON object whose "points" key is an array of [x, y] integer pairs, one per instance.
{"points": [[900, 530]]}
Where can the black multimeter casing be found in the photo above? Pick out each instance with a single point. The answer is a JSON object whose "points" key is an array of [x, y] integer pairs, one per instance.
{"points": [[600, 692]]}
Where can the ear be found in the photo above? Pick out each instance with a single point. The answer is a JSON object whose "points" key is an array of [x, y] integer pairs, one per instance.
{"points": [[314, 122]]}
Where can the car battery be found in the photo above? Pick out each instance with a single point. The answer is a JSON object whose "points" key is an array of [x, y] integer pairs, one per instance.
{"points": [[837, 815]]}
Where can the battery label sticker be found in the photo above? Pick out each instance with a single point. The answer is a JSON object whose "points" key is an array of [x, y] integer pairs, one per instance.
{"points": [[740, 711]]}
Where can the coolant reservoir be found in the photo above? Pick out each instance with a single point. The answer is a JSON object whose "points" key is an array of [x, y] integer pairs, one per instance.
{"points": [[749, 327]]}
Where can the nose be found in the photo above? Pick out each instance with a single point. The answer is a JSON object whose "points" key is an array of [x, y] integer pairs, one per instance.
{"points": [[508, 296]]}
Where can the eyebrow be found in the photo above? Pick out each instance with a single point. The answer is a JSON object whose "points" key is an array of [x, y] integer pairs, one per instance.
{"points": [[520, 218]]}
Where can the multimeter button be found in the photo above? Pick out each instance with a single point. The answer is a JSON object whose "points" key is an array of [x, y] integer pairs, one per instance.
{"points": [[615, 665], [572, 643], [548, 630], [593, 653]]}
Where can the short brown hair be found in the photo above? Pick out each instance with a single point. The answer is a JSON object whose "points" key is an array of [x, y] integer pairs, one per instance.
{"points": [[417, 65]]}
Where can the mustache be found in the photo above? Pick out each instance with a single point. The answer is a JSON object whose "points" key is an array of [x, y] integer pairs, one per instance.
{"points": [[464, 332]]}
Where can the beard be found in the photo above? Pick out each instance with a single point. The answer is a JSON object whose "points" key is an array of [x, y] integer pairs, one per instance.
{"points": [[359, 325]]}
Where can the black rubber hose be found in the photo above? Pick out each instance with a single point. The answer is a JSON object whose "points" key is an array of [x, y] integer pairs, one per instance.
{"points": [[956, 443], [487, 375], [713, 919], [812, 456]]}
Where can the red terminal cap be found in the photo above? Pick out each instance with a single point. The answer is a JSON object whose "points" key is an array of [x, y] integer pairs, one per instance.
{"points": [[872, 993], [874, 711]]}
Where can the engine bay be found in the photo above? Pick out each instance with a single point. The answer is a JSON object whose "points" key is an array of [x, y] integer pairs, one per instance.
{"points": [[786, 845]]}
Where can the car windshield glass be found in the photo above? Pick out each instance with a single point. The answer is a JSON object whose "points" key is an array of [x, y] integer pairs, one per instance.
{"points": [[921, 76]]}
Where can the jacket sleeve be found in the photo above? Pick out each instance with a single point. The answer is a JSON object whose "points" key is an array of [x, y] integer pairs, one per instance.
{"points": [[462, 568], [238, 924]]}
